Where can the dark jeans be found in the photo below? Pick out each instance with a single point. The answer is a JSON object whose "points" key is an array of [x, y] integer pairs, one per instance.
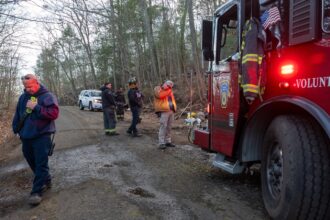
{"points": [[135, 119], [35, 152], [109, 118]]}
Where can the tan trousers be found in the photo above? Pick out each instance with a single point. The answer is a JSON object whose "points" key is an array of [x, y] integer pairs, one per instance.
{"points": [[166, 120]]}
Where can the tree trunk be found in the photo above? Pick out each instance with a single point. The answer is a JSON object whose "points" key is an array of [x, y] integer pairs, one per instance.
{"points": [[150, 39], [182, 60], [196, 60]]}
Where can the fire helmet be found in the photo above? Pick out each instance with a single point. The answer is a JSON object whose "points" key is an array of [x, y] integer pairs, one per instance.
{"points": [[132, 80]]}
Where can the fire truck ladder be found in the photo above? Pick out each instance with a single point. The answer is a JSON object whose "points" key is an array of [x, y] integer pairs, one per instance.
{"points": [[231, 167]]}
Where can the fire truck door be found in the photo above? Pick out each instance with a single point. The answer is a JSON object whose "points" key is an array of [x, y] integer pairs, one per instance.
{"points": [[225, 106]]}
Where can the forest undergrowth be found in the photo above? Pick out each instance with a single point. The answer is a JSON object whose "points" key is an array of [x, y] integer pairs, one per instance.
{"points": [[6, 116]]}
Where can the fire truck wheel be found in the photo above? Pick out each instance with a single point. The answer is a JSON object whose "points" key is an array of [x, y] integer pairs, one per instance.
{"points": [[295, 169]]}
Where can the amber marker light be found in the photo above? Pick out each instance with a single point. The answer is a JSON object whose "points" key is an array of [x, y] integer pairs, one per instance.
{"points": [[208, 108], [287, 69]]}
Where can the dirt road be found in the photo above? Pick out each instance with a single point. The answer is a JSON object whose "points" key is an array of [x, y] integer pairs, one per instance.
{"points": [[120, 177]]}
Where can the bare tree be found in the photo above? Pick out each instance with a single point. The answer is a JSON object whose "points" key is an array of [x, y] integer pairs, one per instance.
{"points": [[9, 58], [114, 39], [150, 39], [196, 60]]}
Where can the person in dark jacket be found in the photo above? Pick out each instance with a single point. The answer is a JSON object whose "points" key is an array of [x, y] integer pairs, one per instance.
{"points": [[121, 103], [109, 109], [135, 99], [33, 121]]}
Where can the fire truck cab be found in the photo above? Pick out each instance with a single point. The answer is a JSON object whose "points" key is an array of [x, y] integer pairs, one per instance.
{"points": [[285, 124]]}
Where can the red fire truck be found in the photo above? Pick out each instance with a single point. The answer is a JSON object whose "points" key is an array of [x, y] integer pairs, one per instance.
{"points": [[285, 124]]}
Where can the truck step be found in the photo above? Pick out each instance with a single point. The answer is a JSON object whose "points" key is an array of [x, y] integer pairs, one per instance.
{"points": [[228, 166]]}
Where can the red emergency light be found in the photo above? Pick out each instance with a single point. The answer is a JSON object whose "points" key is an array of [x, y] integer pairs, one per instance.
{"points": [[287, 69]]}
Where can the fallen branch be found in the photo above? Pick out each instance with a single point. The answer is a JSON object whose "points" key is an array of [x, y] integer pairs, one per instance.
{"points": [[189, 103]]}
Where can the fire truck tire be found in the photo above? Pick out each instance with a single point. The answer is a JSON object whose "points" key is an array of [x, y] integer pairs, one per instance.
{"points": [[295, 169]]}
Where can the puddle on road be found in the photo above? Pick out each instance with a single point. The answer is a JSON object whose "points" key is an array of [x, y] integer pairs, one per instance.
{"points": [[141, 192], [80, 164], [13, 168], [73, 166], [122, 168]]}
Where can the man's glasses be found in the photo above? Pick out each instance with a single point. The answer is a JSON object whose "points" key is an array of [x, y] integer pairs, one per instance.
{"points": [[25, 78]]}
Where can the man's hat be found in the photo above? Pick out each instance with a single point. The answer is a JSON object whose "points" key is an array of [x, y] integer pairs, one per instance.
{"points": [[168, 84]]}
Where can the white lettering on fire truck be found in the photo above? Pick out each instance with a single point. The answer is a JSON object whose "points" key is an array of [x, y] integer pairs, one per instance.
{"points": [[317, 82]]}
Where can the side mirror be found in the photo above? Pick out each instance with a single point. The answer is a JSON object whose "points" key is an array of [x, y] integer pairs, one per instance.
{"points": [[207, 40]]}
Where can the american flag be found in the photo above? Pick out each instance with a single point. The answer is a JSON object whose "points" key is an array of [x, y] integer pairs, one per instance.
{"points": [[270, 17]]}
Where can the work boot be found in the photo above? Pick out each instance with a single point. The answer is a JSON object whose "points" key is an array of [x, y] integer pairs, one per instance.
{"points": [[35, 199], [46, 186], [162, 146], [170, 145], [136, 134], [112, 133], [107, 133]]}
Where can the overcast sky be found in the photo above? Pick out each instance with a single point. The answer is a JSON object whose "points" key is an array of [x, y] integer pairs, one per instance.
{"points": [[30, 35]]}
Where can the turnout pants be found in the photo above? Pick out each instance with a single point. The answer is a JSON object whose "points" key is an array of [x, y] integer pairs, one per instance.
{"points": [[120, 111], [109, 119]]}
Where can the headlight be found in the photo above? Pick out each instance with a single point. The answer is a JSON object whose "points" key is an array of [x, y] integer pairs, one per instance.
{"points": [[97, 101]]}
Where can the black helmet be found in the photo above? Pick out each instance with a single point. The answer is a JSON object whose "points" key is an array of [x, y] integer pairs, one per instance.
{"points": [[132, 80]]}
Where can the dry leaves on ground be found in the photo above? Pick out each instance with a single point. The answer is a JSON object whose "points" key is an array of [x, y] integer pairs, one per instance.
{"points": [[5, 125]]}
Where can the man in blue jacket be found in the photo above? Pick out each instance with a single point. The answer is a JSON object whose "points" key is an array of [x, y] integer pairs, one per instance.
{"points": [[36, 111]]}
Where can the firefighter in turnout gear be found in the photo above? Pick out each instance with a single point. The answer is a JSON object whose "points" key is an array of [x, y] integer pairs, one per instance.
{"points": [[109, 109], [121, 104], [135, 99], [253, 79]]}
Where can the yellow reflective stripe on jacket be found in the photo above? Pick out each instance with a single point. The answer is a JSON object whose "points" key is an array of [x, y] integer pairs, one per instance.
{"points": [[250, 88], [252, 58]]}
